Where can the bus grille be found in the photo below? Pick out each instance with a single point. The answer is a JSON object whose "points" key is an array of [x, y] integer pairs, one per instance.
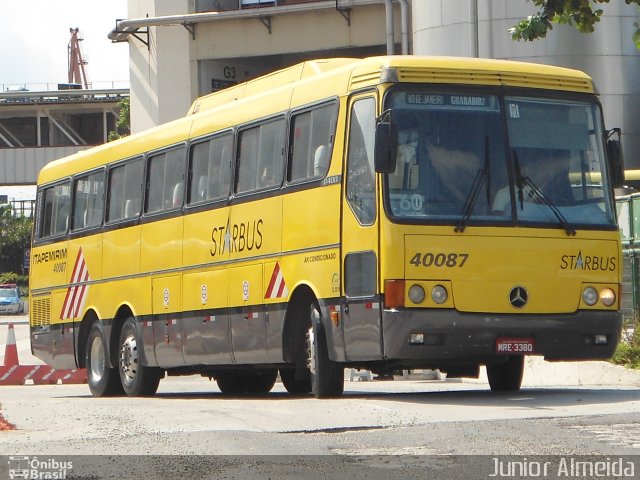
{"points": [[41, 312], [489, 77]]}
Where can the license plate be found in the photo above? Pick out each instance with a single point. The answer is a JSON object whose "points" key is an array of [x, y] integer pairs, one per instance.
{"points": [[515, 346]]}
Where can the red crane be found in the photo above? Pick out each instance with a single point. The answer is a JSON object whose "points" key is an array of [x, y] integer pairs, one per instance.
{"points": [[77, 73]]}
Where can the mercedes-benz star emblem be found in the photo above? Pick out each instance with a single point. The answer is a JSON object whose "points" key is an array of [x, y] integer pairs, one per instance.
{"points": [[518, 297]]}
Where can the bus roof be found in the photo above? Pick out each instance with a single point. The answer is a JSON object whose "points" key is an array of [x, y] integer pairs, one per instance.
{"points": [[368, 71], [312, 81]]}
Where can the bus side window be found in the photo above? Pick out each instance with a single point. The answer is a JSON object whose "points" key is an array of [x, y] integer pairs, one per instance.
{"points": [[226, 159], [174, 178], [115, 194], [199, 159], [56, 210], [311, 140], [125, 191], [133, 188], [155, 184], [79, 206], [247, 168], [260, 156], [271, 152], [210, 166], [166, 181], [88, 201]]}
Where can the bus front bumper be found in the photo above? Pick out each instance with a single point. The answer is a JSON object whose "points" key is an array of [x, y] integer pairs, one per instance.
{"points": [[429, 336]]}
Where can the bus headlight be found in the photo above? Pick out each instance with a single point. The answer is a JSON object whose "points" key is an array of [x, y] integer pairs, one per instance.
{"points": [[590, 296], [439, 294], [416, 293], [607, 297]]}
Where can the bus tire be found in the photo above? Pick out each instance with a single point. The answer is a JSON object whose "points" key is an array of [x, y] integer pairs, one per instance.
{"points": [[507, 376], [137, 380], [247, 381], [295, 385], [327, 376], [102, 380]]}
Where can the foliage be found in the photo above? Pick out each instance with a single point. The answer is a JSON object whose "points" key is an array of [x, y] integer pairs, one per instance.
{"points": [[124, 121], [628, 352], [10, 277], [15, 237], [582, 14]]}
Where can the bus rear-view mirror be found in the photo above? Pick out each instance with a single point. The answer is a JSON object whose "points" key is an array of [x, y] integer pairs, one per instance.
{"points": [[616, 161], [386, 147]]}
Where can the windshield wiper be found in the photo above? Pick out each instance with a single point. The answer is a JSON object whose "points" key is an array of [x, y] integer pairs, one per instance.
{"points": [[482, 177], [522, 181]]}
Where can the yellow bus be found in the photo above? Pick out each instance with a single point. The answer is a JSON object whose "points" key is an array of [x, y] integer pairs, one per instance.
{"points": [[384, 213]]}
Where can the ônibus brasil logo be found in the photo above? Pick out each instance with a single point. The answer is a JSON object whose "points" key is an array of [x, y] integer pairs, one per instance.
{"points": [[34, 468]]}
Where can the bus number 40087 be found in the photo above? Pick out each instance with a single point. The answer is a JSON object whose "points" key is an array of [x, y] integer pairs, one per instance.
{"points": [[429, 259]]}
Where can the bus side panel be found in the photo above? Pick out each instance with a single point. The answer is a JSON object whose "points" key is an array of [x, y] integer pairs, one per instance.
{"points": [[120, 253], [167, 320], [248, 317], [205, 335], [205, 293], [316, 230], [161, 255], [62, 333], [253, 234], [85, 262], [52, 335], [161, 245]]}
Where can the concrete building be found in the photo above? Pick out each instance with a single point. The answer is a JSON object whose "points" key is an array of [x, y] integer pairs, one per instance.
{"points": [[181, 49], [37, 127]]}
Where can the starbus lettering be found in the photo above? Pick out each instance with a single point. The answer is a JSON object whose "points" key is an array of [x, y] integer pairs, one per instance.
{"points": [[50, 256], [588, 262], [236, 237]]}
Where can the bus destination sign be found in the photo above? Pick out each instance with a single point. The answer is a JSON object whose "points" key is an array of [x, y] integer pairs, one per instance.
{"points": [[450, 101]]}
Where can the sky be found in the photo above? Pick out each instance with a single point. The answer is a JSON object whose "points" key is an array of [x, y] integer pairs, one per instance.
{"points": [[35, 35]]}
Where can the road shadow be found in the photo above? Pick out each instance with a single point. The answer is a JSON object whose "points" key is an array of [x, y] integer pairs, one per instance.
{"points": [[527, 398]]}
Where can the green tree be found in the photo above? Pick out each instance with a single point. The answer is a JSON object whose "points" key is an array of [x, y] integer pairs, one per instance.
{"points": [[15, 235], [582, 14], [123, 125]]}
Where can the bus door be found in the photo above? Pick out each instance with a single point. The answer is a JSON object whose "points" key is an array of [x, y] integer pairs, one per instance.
{"points": [[361, 307]]}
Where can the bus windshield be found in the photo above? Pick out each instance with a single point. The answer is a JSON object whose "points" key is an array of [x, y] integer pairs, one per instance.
{"points": [[458, 164]]}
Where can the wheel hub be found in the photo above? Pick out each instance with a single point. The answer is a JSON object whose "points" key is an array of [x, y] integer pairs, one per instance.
{"points": [[129, 359], [97, 360]]}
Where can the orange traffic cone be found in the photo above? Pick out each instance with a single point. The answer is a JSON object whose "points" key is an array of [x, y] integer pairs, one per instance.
{"points": [[11, 351], [4, 424]]}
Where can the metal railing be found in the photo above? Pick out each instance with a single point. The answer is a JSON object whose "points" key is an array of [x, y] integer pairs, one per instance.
{"points": [[51, 87], [21, 208], [47, 96]]}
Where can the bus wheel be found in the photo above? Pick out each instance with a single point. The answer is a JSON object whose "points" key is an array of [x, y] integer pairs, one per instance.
{"points": [[247, 381], [137, 380], [295, 385], [507, 376], [103, 381], [327, 376], [262, 381]]}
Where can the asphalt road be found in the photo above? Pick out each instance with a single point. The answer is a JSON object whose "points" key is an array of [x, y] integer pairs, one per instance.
{"points": [[380, 429]]}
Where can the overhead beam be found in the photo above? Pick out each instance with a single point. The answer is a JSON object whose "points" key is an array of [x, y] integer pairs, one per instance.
{"points": [[124, 28]]}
